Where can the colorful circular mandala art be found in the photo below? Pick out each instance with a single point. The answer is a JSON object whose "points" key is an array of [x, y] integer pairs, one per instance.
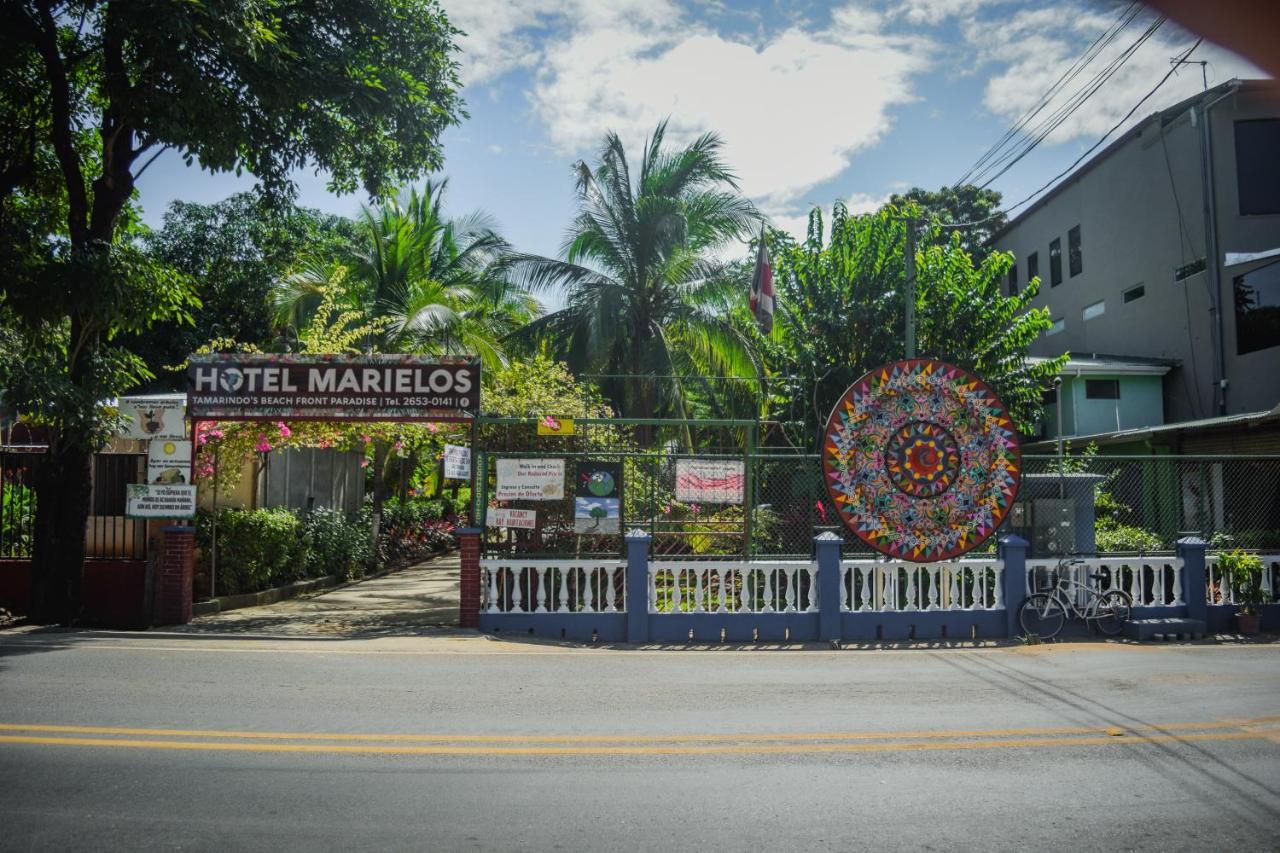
{"points": [[921, 460]]}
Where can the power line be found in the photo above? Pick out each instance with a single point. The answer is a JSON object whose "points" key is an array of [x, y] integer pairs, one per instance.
{"points": [[1079, 159], [1051, 123], [1104, 40]]}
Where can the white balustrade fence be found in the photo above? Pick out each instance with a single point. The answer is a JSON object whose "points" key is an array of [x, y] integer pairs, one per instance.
{"points": [[884, 586], [732, 586], [564, 585], [1150, 581], [1221, 590]]}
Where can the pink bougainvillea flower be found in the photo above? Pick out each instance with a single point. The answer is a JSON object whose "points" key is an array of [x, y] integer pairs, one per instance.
{"points": [[263, 446], [433, 428], [285, 432], [364, 463], [399, 444], [365, 438]]}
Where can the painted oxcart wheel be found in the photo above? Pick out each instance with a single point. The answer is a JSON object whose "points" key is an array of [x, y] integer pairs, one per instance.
{"points": [[921, 460]]}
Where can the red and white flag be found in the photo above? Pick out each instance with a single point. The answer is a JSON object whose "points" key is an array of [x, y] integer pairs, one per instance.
{"points": [[762, 299]]}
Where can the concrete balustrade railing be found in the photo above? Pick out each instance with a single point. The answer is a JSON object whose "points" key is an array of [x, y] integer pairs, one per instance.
{"points": [[1149, 581], [732, 586], [893, 586], [1220, 588], [513, 585]]}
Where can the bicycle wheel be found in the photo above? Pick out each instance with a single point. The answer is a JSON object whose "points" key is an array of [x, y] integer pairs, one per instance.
{"points": [[1042, 615], [1112, 612]]}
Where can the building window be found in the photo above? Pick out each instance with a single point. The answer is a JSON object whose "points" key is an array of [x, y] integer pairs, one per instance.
{"points": [[1033, 266], [1013, 279], [1075, 261], [1097, 309], [1133, 293], [1257, 298], [1049, 397], [1257, 166], [1055, 263], [1058, 326], [1102, 389]]}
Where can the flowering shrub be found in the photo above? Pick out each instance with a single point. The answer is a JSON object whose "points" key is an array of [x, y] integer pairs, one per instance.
{"points": [[336, 545]]}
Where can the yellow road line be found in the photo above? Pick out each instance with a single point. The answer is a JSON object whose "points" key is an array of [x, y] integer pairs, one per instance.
{"points": [[759, 749], [744, 737]]}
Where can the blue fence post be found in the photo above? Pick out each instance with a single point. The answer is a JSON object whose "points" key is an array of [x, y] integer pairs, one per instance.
{"points": [[1191, 551], [1012, 551], [826, 548], [637, 586]]}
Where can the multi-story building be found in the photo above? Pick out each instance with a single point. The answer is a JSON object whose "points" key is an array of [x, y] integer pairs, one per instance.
{"points": [[1161, 257]]}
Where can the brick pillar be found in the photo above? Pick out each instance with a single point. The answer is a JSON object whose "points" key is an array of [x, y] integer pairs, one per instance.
{"points": [[173, 583], [469, 577]]}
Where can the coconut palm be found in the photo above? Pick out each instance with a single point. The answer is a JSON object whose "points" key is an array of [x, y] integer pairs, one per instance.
{"points": [[645, 296], [436, 281]]}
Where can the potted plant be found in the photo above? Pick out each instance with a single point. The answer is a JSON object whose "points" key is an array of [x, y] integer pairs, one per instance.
{"points": [[1245, 571]]}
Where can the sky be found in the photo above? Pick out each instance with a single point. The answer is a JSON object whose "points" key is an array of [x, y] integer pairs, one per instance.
{"points": [[815, 101]]}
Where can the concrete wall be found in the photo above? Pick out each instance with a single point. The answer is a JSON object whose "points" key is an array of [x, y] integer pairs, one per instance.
{"points": [[1141, 403], [1131, 234]]}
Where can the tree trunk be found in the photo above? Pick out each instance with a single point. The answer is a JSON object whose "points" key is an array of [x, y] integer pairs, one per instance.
{"points": [[379, 488]]}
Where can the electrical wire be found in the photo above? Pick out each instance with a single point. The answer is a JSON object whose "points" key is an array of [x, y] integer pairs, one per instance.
{"points": [[1055, 120], [1104, 40], [1079, 159]]}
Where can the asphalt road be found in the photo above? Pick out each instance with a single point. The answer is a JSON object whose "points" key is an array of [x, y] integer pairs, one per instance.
{"points": [[192, 741]]}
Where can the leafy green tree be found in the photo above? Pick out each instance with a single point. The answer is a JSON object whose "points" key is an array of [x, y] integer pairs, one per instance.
{"points": [[361, 89], [965, 203], [433, 282], [645, 296], [841, 312], [234, 252]]}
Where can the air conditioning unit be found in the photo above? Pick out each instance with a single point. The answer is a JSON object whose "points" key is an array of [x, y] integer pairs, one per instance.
{"points": [[1053, 529]]}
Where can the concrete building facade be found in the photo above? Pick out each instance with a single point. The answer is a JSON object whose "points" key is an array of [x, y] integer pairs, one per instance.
{"points": [[1137, 260]]}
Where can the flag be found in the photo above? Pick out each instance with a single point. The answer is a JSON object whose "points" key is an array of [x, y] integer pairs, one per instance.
{"points": [[762, 299]]}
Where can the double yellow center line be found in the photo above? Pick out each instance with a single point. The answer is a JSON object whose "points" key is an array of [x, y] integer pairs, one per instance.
{"points": [[755, 743]]}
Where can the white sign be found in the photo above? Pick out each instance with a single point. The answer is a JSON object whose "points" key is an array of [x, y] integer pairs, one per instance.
{"points": [[713, 481], [457, 462], [154, 417], [530, 480], [524, 519], [147, 501], [168, 461]]}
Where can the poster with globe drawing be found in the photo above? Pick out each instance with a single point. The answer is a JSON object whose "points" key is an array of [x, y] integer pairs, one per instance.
{"points": [[921, 460], [597, 503]]}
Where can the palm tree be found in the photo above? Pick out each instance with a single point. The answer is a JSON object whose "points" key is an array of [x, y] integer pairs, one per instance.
{"points": [[436, 282], [644, 295]]}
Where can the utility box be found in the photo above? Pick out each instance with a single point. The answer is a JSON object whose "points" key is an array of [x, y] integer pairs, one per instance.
{"points": [[1053, 526]]}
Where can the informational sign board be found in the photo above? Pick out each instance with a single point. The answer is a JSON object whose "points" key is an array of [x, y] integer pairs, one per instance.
{"points": [[597, 504], [530, 480], [712, 481], [335, 387], [457, 462], [521, 519], [153, 417], [555, 426], [168, 461], [143, 500]]}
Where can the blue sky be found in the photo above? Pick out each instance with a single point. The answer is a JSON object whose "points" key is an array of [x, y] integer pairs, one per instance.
{"points": [[817, 101]]}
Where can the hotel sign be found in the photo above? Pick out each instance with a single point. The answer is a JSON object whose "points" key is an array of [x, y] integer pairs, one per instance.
{"points": [[339, 387]]}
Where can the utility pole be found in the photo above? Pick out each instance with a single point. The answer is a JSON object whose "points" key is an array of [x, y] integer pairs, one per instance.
{"points": [[909, 291]]}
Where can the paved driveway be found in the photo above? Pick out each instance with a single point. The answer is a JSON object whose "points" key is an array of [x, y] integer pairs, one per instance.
{"points": [[420, 600]]}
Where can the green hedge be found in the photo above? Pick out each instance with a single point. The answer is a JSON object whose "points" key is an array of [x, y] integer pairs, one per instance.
{"points": [[263, 548]]}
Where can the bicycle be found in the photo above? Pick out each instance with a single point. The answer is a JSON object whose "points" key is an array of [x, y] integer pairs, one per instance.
{"points": [[1043, 614]]}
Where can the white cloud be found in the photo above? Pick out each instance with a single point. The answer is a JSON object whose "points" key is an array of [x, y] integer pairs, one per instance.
{"points": [[495, 149], [937, 11], [1035, 46], [794, 219], [793, 108]]}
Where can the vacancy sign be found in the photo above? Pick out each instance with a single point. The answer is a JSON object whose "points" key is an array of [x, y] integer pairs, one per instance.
{"points": [[522, 519]]}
